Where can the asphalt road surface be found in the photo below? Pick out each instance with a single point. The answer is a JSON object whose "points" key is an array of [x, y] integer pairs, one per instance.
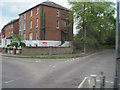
{"points": [[56, 73]]}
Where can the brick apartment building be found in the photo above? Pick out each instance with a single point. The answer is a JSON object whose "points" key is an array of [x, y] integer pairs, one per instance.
{"points": [[8, 31], [45, 25]]}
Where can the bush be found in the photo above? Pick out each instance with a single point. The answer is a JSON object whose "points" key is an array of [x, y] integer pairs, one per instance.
{"points": [[22, 44], [8, 45], [14, 44]]}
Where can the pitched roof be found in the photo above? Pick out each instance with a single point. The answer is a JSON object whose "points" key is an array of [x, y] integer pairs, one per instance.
{"points": [[9, 23], [52, 4], [49, 4]]}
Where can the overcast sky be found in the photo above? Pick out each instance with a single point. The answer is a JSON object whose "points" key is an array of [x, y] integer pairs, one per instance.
{"points": [[9, 9]]}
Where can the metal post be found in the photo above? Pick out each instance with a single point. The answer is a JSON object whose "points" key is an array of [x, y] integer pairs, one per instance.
{"points": [[117, 47], [102, 81]]}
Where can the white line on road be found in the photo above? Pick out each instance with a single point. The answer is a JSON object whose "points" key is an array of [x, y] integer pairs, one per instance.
{"points": [[98, 80], [50, 65], [9, 81], [111, 82], [82, 82], [54, 66]]}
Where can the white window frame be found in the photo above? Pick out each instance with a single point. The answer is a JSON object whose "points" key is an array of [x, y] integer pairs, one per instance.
{"points": [[20, 27], [24, 16], [31, 13], [37, 10], [11, 25], [58, 13], [37, 22], [36, 35], [31, 24], [30, 36], [65, 23], [57, 23], [24, 38], [24, 26]]}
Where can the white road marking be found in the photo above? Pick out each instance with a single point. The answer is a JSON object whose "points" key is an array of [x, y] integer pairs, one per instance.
{"points": [[111, 82], [98, 80], [50, 65], [82, 82], [9, 81], [65, 61], [54, 66], [38, 61], [107, 81]]}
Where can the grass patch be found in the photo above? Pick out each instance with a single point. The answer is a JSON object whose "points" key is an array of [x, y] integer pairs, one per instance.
{"points": [[45, 57]]}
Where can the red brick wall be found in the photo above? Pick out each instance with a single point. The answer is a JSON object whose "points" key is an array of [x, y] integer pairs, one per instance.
{"points": [[46, 50], [27, 21], [51, 32], [16, 27], [9, 29]]}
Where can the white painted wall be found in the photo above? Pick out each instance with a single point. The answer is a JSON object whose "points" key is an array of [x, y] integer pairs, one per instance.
{"points": [[5, 42], [40, 43]]}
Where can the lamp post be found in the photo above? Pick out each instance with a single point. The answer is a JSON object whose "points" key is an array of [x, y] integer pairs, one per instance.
{"points": [[117, 47]]}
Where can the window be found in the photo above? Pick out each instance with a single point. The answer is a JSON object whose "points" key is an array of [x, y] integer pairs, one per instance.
{"points": [[11, 25], [36, 35], [31, 13], [58, 13], [24, 26], [24, 37], [57, 25], [20, 27], [30, 36], [24, 16], [11, 32], [37, 22], [64, 24], [31, 24], [37, 10]]}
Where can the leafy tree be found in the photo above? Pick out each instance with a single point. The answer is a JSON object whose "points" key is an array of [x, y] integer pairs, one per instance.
{"points": [[12, 20], [95, 22], [17, 38]]}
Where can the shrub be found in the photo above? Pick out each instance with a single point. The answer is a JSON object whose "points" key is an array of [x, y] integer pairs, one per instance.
{"points": [[14, 44], [22, 44], [8, 45]]}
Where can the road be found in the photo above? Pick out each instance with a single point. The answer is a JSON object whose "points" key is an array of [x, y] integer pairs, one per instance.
{"points": [[56, 73]]}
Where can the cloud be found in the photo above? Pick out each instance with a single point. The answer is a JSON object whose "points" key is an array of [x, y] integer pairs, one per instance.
{"points": [[14, 9]]}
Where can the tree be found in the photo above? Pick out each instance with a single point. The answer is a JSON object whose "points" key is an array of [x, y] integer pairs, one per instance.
{"points": [[95, 22], [12, 20], [17, 39]]}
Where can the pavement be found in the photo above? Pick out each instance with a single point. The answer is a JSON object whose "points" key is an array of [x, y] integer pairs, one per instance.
{"points": [[71, 55], [56, 73]]}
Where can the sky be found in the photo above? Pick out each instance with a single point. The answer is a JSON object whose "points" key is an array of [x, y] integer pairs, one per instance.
{"points": [[10, 9]]}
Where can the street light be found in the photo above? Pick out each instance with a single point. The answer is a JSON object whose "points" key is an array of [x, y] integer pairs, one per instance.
{"points": [[117, 46]]}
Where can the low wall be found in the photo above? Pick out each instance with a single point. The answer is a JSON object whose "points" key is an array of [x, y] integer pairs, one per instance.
{"points": [[46, 50]]}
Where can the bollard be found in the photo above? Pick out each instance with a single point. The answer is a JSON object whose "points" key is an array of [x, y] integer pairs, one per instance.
{"points": [[14, 50], [102, 81], [92, 83], [6, 50], [20, 50]]}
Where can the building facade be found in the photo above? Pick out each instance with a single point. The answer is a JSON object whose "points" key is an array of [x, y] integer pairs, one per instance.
{"points": [[8, 31], [46, 25]]}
